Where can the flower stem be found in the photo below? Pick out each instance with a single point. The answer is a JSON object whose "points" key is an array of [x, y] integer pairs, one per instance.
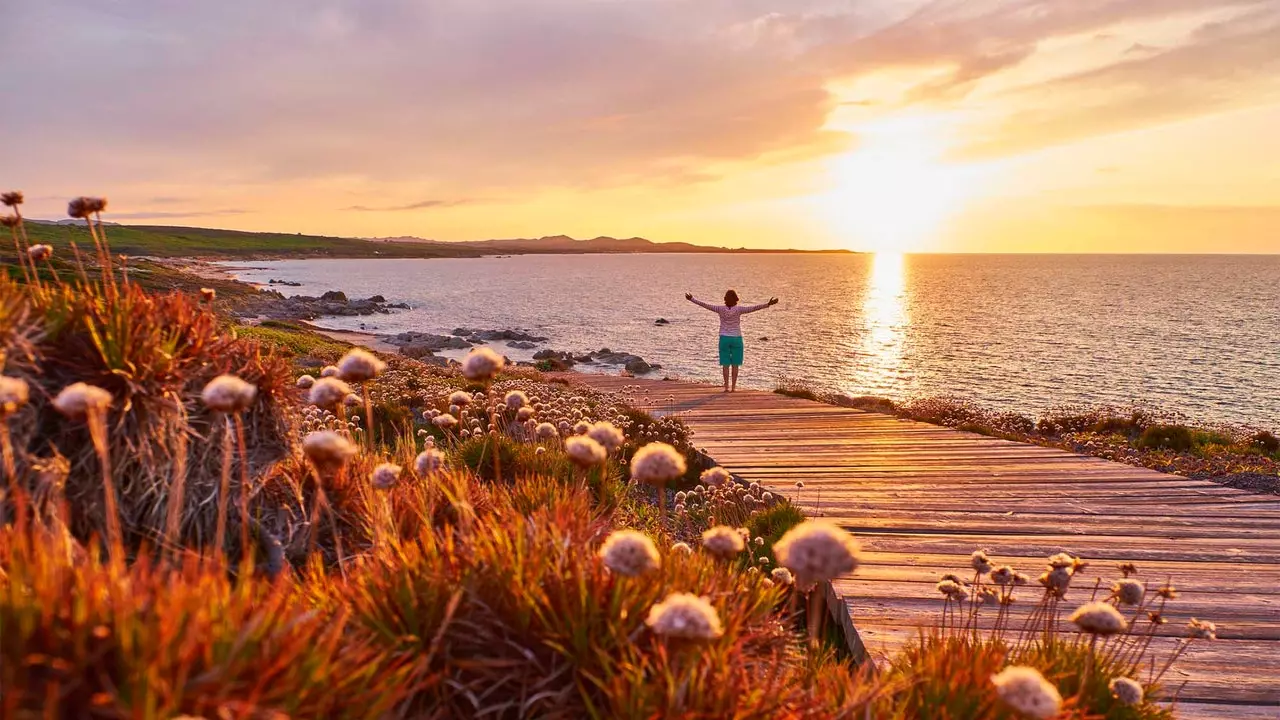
{"points": [[115, 536]]}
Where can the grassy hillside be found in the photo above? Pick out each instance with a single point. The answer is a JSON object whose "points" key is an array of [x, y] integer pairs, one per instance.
{"points": [[202, 242]]}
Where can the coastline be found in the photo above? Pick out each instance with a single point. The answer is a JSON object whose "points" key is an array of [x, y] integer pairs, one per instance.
{"points": [[1227, 455]]}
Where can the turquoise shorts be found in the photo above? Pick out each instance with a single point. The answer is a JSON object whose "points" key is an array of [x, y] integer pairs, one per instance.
{"points": [[730, 350]]}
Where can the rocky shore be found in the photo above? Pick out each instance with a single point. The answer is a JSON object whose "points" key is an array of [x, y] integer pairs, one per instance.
{"points": [[270, 304], [273, 305], [422, 346]]}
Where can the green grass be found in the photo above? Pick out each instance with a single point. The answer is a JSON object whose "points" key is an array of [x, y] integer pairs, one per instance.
{"points": [[159, 241], [295, 338]]}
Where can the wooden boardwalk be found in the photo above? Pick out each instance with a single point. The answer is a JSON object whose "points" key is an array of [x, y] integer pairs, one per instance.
{"points": [[921, 498]]}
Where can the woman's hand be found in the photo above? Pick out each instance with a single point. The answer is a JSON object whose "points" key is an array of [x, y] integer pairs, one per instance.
{"points": [[773, 301], [688, 296]]}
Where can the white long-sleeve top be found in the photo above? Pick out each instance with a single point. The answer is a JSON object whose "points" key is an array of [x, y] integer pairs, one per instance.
{"points": [[730, 317]]}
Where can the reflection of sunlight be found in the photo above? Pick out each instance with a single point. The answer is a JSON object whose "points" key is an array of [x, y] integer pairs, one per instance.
{"points": [[885, 324], [893, 193]]}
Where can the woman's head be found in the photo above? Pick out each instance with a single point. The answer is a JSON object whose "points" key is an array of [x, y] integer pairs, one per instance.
{"points": [[731, 298]]}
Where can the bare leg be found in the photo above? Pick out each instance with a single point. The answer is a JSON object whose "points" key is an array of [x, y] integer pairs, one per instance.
{"points": [[725, 368], [734, 386]]}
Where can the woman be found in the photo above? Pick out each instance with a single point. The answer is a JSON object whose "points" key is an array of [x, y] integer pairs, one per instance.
{"points": [[730, 332]]}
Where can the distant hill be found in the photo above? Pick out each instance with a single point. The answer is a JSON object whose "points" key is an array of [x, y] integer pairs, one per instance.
{"points": [[603, 244], [165, 241], [67, 221]]}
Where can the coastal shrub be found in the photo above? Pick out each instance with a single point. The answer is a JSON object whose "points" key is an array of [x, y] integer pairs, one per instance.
{"points": [[771, 524], [1210, 438], [1090, 658], [154, 354], [1265, 441], [792, 387], [1015, 423], [391, 420], [870, 403], [953, 412], [1167, 437], [1103, 419], [83, 638]]}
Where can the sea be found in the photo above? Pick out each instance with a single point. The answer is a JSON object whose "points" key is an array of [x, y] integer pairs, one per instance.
{"points": [[1192, 334]]}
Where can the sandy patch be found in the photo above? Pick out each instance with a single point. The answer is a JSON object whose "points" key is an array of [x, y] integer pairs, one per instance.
{"points": [[367, 340]]}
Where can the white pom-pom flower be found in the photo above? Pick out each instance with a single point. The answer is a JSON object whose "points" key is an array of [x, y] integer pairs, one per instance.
{"points": [[630, 553]]}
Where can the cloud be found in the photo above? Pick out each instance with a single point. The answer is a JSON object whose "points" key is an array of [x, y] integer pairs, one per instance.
{"points": [[422, 205], [979, 38], [1141, 49], [1222, 66], [471, 98], [515, 93]]}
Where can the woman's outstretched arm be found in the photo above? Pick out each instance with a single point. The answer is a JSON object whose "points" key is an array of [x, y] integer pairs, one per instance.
{"points": [[761, 306], [696, 301]]}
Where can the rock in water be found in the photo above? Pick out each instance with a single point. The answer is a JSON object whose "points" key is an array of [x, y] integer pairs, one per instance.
{"points": [[661, 321]]}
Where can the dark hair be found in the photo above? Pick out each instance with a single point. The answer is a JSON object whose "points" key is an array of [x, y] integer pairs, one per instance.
{"points": [[731, 298]]}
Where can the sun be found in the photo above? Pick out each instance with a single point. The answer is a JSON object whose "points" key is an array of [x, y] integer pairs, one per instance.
{"points": [[893, 193]]}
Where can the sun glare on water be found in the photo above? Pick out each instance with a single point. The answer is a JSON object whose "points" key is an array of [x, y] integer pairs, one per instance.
{"points": [[893, 193]]}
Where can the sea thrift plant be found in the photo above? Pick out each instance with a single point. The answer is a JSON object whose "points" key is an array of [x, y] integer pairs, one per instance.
{"points": [[1128, 592], [14, 394], [816, 551], [229, 394], [515, 400], [91, 403], [584, 451], [359, 366], [327, 450], [1025, 690], [385, 476], [609, 437], [657, 464], [724, 543], [329, 392], [1099, 618], [79, 400], [1127, 691], [481, 364], [685, 616], [630, 553], [428, 462], [715, 476]]}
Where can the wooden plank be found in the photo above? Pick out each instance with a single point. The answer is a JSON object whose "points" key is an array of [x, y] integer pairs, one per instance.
{"points": [[922, 497]]}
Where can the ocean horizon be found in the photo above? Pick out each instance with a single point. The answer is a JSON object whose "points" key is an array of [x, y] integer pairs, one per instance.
{"points": [[1020, 332]]}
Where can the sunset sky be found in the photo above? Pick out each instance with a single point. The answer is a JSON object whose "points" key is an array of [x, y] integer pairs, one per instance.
{"points": [[960, 125]]}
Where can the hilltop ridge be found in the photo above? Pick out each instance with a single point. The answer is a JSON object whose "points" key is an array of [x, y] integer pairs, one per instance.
{"points": [[599, 244], [212, 243]]}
